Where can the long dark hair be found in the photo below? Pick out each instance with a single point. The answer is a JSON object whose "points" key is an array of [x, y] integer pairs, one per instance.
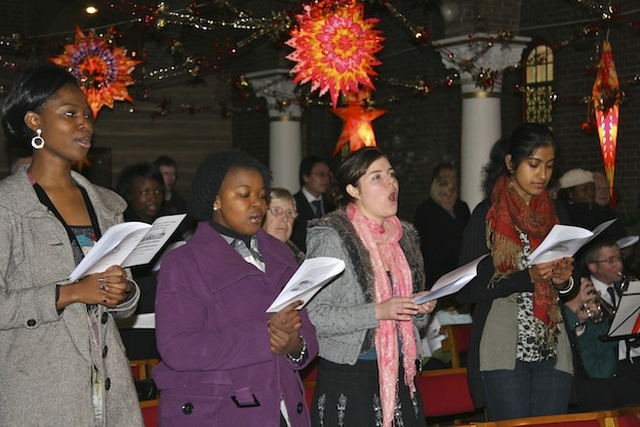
{"points": [[31, 89], [350, 172], [524, 140]]}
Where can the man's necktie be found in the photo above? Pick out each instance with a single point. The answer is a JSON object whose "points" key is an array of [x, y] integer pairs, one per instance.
{"points": [[317, 207], [612, 295]]}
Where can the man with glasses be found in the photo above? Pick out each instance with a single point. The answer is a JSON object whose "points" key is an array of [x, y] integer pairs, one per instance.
{"points": [[315, 177], [605, 263], [607, 373]]}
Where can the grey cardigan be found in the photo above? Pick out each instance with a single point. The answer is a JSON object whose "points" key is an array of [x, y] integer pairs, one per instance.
{"points": [[343, 311], [46, 363]]}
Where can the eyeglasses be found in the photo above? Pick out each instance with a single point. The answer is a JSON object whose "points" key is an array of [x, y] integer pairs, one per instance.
{"points": [[611, 260], [278, 211]]}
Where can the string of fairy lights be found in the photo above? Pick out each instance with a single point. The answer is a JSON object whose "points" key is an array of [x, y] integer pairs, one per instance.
{"points": [[15, 50]]}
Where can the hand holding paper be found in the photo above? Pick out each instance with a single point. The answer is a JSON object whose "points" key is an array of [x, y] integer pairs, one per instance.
{"points": [[452, 282], [310, 277], [564, 241], [127, 245]]}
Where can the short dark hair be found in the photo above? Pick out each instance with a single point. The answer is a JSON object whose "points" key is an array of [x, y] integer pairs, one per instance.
{"points": [[591, 252], [210, 174], [31, 89], [306, 166], [130, 173], [350, 172], [165, 161]]}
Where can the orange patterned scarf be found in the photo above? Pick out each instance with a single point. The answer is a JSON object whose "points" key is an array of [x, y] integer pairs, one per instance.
{"points": [[508, 214], [385, 240]]}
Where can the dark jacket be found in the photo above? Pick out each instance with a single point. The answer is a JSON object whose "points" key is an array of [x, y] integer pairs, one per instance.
{"points": [[440, 237], [305, 214]]}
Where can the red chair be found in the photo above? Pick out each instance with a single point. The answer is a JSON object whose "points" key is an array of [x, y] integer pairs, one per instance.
{"points": [[150, 412], [308, 376], [457, 342], [445, 392], [627, 417], [141, 369]]}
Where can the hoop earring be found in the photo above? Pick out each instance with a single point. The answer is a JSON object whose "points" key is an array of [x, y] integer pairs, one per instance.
{"points": [[37, 142]]}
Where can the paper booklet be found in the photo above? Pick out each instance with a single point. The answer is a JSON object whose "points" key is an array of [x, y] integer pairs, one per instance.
{"points": [[127, 244], [310, 277], [452, 282], [565, 241]]}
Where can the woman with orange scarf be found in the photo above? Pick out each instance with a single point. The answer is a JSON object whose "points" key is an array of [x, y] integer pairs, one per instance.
{"points": [[364, 318], [520, 363]]}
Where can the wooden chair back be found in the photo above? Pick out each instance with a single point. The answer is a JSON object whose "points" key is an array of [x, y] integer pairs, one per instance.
{"points": [[583, 419], [457, 341]]}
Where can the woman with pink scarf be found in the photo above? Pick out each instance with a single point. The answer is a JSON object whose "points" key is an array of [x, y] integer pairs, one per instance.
{"points": [[364, 318]]}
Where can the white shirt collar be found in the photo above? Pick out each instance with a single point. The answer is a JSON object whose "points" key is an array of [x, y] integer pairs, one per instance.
{"points": [[310, 197], [602, 288]]}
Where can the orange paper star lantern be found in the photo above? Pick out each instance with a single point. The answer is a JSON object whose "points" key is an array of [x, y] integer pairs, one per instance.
{"points": [[104, 71], [606, 101], [334, 47], [358, 116]]}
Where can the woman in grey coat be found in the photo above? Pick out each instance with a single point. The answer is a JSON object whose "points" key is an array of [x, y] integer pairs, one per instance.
{"points": [[63, 363], [364, 318]]}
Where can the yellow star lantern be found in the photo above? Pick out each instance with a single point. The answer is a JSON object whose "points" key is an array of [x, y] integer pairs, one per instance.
{"points": [[606, 97], [358, 116], [104, 71]]}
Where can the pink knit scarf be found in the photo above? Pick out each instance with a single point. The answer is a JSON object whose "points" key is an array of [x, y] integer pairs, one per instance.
{"points": [[384, 240]]}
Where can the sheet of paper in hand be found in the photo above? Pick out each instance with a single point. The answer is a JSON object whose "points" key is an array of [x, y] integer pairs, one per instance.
{"points": [[565, 241], [127, 244], [452, 282], [310, 277]]}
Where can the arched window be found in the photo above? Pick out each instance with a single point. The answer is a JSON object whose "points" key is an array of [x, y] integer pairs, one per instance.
{"points": [[538, 83]]}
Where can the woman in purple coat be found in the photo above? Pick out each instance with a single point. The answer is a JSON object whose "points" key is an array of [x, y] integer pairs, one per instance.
{"points": [[225, 361]]}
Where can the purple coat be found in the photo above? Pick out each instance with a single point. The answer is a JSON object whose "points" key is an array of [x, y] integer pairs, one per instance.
{"points": [[213, 339]]}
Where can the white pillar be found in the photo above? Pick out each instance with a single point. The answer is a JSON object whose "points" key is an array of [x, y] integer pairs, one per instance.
{"points": [[285, 135], [481, 107]]}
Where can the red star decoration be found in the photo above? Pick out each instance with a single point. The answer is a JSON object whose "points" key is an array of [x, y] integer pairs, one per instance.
{"points": [[358, 117]]}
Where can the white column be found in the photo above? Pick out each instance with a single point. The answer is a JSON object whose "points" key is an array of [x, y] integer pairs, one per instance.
{"points": [[481, 107], [285, 135]]}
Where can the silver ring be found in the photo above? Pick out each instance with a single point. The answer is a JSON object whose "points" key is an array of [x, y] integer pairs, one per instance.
{"points": [[103, 288], [100, 279]]}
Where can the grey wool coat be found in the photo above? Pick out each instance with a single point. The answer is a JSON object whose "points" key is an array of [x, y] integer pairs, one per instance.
{"points": [[45, 373], [343, 311]]}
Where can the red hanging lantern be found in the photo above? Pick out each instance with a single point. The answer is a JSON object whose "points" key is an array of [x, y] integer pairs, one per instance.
{"points": [[606, 104]]}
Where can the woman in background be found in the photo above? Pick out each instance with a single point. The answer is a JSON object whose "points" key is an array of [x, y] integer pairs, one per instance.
{"points": [[142, 186], [279, 219], [364, 318], [440, 221], [520, 362], [225, 361], [62, 359]]}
